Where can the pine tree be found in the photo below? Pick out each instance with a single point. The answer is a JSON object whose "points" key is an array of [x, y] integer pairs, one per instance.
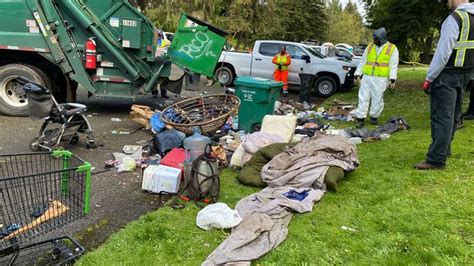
{"points": [[411, 24]]}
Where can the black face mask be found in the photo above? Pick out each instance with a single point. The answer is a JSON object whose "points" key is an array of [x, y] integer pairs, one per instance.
{"points": [[377, 42]]}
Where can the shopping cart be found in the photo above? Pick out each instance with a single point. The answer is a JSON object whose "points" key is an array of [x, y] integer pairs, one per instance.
{"points": [[39, 193]]}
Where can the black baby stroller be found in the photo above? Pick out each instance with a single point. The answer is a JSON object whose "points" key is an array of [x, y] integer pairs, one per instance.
{"points": [[62, 121]]}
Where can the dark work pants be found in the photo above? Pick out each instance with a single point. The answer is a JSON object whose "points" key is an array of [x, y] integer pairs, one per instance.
{"points": [[163, 92], [305, 89], [447, 93], [470, 110]]}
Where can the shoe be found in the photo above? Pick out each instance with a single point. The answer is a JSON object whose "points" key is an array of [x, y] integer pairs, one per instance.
{"points": [[468, 116], [428, 166], [165, 97], [373, 121], [285, 94], [360, 123]]}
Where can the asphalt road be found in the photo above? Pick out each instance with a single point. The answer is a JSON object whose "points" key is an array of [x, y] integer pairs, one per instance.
{"points": [[117, 198]]}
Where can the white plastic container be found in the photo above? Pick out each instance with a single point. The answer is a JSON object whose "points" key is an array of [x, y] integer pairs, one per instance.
{"points": [[205, 170], [161, 178]]}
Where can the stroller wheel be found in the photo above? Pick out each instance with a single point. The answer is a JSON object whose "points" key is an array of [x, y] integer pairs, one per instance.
{"points": [[57, 148], [74, 140], [34, 145]]}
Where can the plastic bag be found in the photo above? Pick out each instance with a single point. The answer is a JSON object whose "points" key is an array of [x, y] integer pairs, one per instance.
{"points": [[219, 216], [157, 124], [127, 164]]}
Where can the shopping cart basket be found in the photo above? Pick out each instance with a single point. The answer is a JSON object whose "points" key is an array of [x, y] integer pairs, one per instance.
{"points": [[40, 193]]}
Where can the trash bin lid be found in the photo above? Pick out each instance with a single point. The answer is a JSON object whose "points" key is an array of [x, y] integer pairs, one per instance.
{"points": [[256, 82]]}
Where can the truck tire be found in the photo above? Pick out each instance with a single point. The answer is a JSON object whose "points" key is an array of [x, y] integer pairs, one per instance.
{"points": [[225, 76], [13, 100], [325, 86]]}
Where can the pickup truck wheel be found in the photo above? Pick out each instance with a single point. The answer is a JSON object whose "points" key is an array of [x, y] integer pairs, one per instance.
{"points": [[13, 101], [325, 87], [225, 76]]}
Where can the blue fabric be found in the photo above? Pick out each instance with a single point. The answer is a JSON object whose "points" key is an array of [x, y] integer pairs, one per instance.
{"points": [[172, 116], [381, 34], [294, 195], [39, 211], [156, 122], [169, 139], [10, 229]]}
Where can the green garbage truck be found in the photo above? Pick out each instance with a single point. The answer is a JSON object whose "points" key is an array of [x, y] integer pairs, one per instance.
{"points": [[107, 47]]}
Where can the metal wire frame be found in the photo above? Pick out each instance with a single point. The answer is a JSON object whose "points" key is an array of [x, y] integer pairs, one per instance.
{"points": [[209, 113], [40, 192]]}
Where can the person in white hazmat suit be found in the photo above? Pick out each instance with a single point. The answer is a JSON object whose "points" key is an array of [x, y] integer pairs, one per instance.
{"points": [[377, 71]]}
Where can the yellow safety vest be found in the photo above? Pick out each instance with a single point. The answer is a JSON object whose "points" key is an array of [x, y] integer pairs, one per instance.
{"points": [[282, 59], [464, 43], [164, 43], [378, 65]]}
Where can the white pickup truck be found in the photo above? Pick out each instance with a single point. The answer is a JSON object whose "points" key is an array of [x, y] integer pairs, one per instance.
{"points": [[330, 75]]}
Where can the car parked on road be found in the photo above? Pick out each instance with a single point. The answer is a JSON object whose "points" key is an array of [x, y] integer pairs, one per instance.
{"points": [[339, 54], [329, 75]]}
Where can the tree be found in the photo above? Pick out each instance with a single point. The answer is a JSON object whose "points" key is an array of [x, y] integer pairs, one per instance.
{"points": [[411, 24], [306, 20], [251, 20], [345, 25], [352, 8], [247, 20], [166, 13]]}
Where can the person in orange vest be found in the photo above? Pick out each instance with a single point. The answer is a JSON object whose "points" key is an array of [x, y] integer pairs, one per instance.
{"points": [[282, 63]]}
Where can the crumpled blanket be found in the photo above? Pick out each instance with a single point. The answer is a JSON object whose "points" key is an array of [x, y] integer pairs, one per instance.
{"points": [[256, 141], [250, 173], [308, 162], [393, 125], [266, 214]]}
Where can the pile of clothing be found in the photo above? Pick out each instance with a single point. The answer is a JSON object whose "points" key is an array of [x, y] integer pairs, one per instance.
{"points": [[393, 125], [295, 181]]}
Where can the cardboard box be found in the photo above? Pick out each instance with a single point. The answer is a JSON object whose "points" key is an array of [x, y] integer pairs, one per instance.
{"points": [[161, 178]]}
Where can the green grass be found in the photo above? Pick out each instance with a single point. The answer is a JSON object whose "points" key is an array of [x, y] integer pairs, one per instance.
{"points": [[402, 216]]}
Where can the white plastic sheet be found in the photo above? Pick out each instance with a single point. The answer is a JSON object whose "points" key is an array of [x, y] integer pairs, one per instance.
{"points": [[219, 216]]}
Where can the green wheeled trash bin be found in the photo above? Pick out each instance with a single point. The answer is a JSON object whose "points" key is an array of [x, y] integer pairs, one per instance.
{"points": [[257, 99]]}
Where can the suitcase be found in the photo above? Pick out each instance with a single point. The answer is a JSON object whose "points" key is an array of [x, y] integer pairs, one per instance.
{"points": [[175, 158]]}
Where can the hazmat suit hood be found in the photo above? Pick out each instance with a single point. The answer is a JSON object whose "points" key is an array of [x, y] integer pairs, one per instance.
{"points": [[468, 7], [381, 34]]}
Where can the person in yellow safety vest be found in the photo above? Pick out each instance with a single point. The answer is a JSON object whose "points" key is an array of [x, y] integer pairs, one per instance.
{"points": [[282, 62], [161, 45], [449, 75], [378, 69]]}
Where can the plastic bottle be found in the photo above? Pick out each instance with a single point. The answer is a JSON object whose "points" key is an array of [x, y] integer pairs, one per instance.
{"points": [[206, 170], [195, 145]]}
